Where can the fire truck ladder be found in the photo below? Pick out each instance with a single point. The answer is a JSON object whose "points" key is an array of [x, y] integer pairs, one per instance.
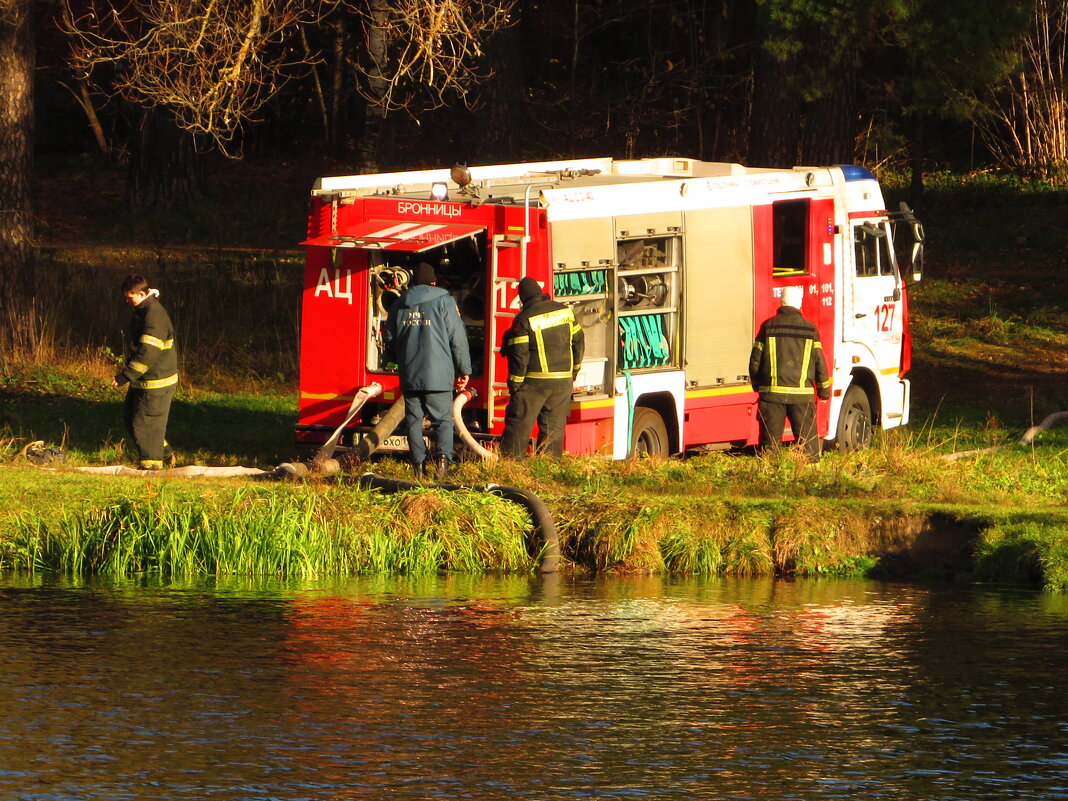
{"points": [[497, 388]]}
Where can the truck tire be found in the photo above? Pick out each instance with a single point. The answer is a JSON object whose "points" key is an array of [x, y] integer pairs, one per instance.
{"points": [[854, 421], [649, 436]]}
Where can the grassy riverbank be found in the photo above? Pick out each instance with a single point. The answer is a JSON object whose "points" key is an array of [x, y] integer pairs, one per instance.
{"points": [[896, 509], [990, 334]]}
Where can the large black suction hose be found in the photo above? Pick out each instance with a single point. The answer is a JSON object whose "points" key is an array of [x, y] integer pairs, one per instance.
{"points": [[544, 526]]}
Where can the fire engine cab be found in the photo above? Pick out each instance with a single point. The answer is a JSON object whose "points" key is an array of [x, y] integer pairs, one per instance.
{"points": [[670, 265]]}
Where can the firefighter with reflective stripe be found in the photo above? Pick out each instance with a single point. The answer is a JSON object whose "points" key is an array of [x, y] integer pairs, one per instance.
{"points": [[151, 372], [786, 363], [544, 349]]}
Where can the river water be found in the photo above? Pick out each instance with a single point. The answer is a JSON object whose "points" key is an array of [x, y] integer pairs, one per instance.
{"points": [[523, 687]]}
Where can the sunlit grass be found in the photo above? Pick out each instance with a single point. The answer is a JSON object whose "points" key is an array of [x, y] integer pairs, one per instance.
{"points": [[269, 531]]}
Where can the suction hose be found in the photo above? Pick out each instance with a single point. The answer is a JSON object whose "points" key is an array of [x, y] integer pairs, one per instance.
{"points": [[544, 526], [386, 426], [358, 400], [462, 397]]}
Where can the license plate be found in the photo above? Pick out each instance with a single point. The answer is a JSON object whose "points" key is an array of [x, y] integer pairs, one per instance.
{"points": [[396, 443]]}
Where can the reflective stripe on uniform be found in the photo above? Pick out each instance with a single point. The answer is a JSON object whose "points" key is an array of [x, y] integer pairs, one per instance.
{"points": [[539, 324], [785, 390], [156, 342], [553, 318], [138, 367], [156, 383], [805, 361]]}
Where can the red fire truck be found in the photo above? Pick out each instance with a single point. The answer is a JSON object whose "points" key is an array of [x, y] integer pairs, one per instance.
{"points": [[670, 264]]}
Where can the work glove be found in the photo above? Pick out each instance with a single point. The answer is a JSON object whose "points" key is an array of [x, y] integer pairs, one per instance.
{"points": [[514, 387]]}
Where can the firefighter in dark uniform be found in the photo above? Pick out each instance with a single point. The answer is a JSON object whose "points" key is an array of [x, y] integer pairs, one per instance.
{"points": [[151, 372], [544, 349], [785, 364]]}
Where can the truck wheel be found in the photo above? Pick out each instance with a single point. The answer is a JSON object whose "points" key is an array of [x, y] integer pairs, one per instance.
{"points": [[854, 421], [649, 436]]}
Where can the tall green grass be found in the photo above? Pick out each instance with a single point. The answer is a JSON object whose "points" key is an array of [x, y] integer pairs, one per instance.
{"points": [[274, 533]]}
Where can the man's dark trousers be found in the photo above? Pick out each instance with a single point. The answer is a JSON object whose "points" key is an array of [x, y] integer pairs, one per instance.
{"points": [[438, 407], [145, 413], [548, 400], [802, 418]]}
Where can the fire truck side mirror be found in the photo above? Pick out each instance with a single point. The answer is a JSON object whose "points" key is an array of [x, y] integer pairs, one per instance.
{"points": [[916, 228]]}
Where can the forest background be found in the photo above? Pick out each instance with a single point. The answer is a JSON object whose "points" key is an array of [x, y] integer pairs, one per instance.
{"points": [[204, 122], [180, 138]]}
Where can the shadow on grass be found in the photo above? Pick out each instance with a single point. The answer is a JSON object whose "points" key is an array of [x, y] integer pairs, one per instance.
{"points": [[92, 426]]}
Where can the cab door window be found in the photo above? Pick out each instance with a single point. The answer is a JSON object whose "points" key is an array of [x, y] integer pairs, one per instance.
{"points": [[790, 232], [870, 248]]}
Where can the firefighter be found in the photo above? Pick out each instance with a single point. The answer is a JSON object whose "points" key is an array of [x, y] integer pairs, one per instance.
{"points": [[425, 337], [785, 364], [151, 372], [544, 348]]}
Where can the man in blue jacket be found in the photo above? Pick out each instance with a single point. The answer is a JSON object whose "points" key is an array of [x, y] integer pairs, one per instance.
{"points": [[425, 337]]}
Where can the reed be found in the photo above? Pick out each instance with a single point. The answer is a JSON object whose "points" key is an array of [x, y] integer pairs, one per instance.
{"points": [[265, 533]]}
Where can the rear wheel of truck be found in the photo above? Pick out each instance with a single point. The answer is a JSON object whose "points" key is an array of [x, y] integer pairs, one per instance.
{"points": [[649, 436], [854, 422]]}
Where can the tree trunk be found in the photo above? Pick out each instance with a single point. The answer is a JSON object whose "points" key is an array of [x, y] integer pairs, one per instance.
{"points": [[774, 120], [916, 146], [17, 317], [830, 122], [502, 131], [374, 118], [338, 91], [164, 169]]}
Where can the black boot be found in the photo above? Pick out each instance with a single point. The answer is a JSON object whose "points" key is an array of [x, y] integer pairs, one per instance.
{"points": [[419, 469], [441, 467]]}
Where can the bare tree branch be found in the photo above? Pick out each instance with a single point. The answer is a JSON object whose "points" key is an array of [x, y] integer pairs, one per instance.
{"points": [[425, 48], [212, 63]]}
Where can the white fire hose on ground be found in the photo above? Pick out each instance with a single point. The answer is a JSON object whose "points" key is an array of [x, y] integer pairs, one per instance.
{"points": [[458, 404], [1057, 418]]}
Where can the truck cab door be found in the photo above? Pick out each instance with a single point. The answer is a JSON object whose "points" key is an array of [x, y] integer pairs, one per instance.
{"points": [[874, 317]]}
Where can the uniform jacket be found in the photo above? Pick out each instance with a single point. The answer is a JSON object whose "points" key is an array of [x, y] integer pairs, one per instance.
{"points": [[787, 359], [153, 362], [544, 342], [425, 337]]}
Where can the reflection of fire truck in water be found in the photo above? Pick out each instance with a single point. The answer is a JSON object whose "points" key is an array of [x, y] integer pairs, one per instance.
{"points": [[670, 265]]}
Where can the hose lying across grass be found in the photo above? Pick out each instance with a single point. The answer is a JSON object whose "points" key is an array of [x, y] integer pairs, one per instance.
{"points": [[1055, 419]]}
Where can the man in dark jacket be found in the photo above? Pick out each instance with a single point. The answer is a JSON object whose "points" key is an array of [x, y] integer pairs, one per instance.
{"points": [[425, 337], [151, 371], [785, 364], [544, 348]]}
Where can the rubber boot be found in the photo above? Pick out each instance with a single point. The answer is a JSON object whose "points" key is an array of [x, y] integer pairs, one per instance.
{"points": [[419, 469], [441, 467]]}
